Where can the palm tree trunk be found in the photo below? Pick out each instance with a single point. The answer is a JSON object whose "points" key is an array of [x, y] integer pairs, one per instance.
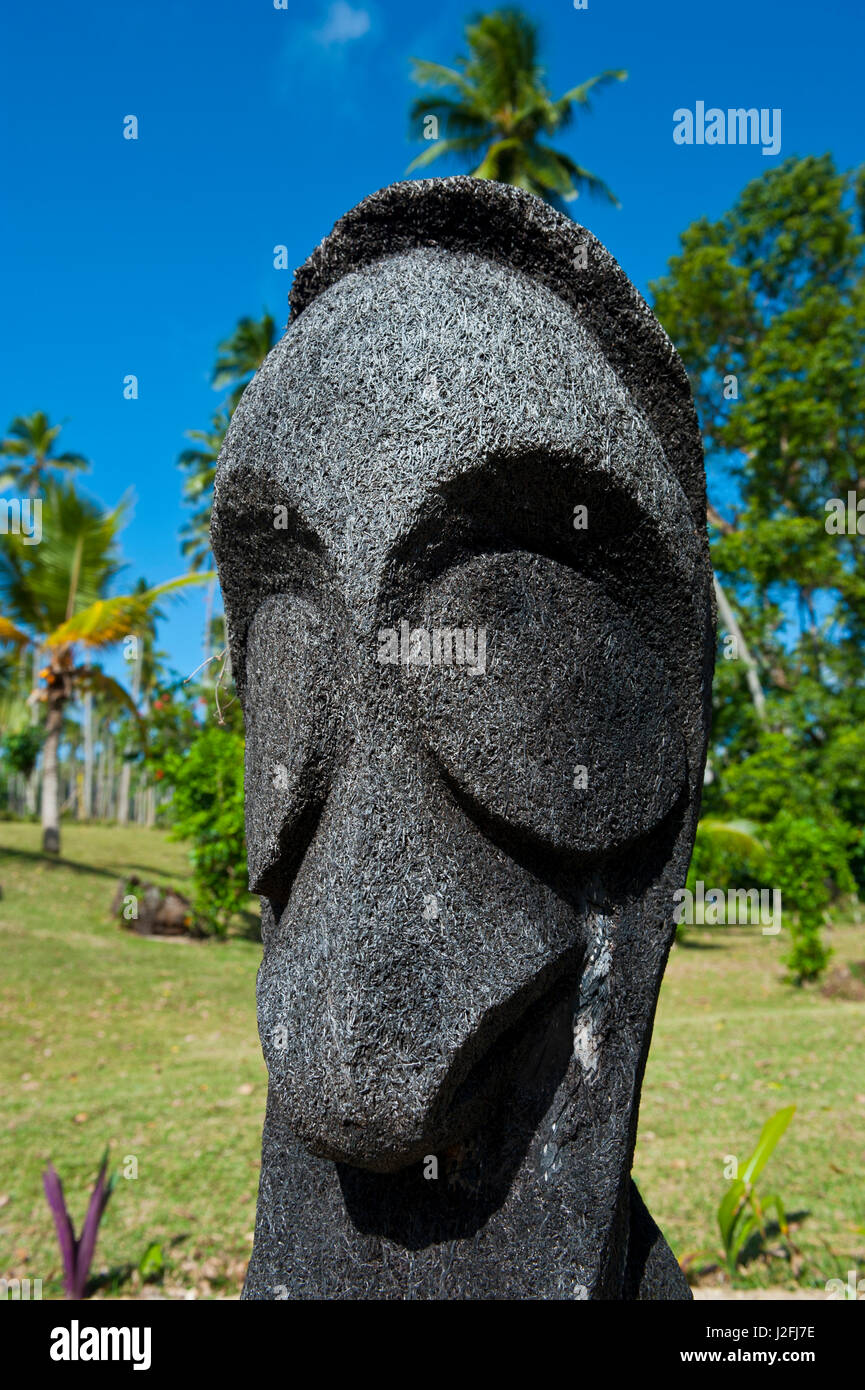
{"points": [[35, 654], [32, 782], [100, 777], [126, 769], [109, 774], [123, 795], [87, 808], [751, 673], [50, 772], [31, 787]]}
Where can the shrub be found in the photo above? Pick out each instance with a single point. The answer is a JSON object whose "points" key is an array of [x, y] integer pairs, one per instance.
{"points": [[809, 865], [207, 809], [810, 844]]}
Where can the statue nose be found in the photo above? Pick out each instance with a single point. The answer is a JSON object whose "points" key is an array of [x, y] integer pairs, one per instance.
{"points": [[407, 946]]}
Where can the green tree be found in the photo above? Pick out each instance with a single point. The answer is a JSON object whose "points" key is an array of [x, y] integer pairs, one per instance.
{"points": [[497, 111], [767, 307], [20, 734], [809, 857], [28, 456]]}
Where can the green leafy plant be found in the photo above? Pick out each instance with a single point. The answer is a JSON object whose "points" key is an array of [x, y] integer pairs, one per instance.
{"points": [[741, 1213], [207, 810], [151, 1266], [806, 850]]}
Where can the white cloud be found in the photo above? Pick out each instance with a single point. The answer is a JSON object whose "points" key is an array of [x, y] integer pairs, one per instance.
{"points": [[342, 25]]}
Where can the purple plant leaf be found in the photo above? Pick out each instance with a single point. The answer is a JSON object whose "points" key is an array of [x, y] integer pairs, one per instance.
{"points": [[65, 1234], [89, 1231]]}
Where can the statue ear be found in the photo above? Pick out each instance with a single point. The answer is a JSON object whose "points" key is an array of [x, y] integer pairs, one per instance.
{"points": [[261, 544], [293, 731]]}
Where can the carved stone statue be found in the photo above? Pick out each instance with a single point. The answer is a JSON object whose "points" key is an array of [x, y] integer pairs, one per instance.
{"points": [[460, 529]]}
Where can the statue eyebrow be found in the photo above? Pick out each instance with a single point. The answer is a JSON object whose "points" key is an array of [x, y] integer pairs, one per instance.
{"points": [[253, 520], [529, 502]]}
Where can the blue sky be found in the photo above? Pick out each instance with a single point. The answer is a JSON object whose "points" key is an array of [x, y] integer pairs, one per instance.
{"points": [[260, 126]]}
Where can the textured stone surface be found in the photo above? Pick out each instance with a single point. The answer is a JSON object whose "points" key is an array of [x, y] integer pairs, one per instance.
{"points": [[467, 866]]}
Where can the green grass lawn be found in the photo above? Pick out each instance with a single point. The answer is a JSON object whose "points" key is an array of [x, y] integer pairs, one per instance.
{"points": [[732, 1044], [151, 1046], [148, 1045]]}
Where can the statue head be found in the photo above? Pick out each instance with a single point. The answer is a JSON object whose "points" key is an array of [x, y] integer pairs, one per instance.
{"points": [[460, 530]]}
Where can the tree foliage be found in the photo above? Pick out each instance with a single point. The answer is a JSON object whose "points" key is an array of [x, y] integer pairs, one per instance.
{"points": [[767, 307]]}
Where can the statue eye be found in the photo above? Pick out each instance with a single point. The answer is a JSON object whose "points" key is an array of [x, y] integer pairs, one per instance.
{"points": [[571, 732]]}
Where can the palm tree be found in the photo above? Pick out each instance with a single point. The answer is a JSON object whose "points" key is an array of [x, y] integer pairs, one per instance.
{"points": [[238, 359], [30, 443], [54, 597], [200, 466], [500, 109], [241, 355]]}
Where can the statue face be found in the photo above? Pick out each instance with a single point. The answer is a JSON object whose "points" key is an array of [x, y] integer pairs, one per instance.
{"points": [[465, 597]]}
